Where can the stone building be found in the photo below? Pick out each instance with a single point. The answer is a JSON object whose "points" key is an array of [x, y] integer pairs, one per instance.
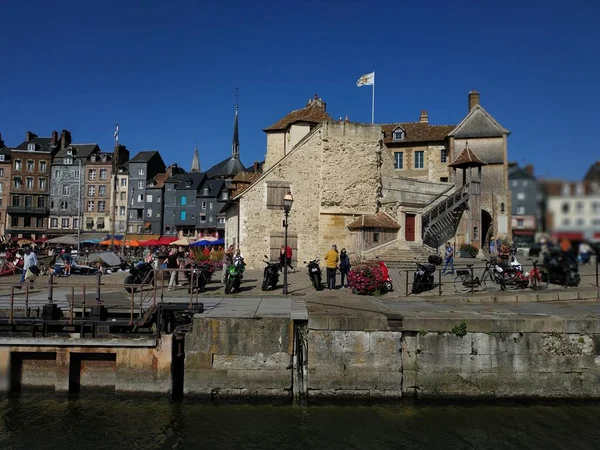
{"points": [[524, 190], [154, 199], [142, 168], [66, 187], [97, 193], [121, 199], [5, 177], [30, 179], [353, 174]]}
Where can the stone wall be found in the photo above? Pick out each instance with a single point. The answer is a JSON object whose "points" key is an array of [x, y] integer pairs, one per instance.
{"points": [[501, 364], [239, 357], [275, 148]]}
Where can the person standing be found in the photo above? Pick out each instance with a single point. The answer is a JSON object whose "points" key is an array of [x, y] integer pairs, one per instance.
{"points": [[173, 264], [344, 267], [29, 260], [285, 257], [331, 262], [492, 246], [449, 256], [227, 260]]}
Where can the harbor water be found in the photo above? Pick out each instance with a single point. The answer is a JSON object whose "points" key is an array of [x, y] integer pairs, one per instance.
{"points": [[39, 421]]}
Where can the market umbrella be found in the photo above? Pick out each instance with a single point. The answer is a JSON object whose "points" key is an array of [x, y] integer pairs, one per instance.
{"points": [[69, 239], [166, 240], [109, 242], [183, 241], [24, 241], [132, 243], [150, 243]]}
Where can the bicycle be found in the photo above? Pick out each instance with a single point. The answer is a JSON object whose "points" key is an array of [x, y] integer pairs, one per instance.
{"points": [[490, 280]]}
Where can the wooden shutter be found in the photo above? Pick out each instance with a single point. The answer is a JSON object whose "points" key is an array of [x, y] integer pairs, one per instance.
{"points": [[275, 193], [277, 240]]}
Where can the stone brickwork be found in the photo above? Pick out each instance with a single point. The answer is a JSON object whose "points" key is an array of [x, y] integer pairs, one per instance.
{"points": [[275, 149], [354, 363], [239, 357], [503, 364]]}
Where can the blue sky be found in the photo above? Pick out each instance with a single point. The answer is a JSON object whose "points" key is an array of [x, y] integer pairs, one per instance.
{"points": [[167, 71]]}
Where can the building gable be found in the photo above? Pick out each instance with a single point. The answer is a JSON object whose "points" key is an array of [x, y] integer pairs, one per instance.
{"points": [[478, 124]]}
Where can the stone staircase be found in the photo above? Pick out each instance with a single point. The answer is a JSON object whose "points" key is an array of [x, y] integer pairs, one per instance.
{"points": [[400, 253], [441, 221]]}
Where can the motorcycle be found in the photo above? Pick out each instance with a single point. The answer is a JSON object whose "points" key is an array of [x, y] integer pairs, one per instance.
{"points": [[197, 277], [314, 273], [234, 274], [270, 275], [560, 269], [141, 274], [423, 279]]}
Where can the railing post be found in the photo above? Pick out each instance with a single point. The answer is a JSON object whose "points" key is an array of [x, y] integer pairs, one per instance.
{"points": [[156, 273], [132, 306], [191, 288], [440, 280], [83, 305], [407, 282], [98, 282], [50, 288], [72, 305], [12, 302]]}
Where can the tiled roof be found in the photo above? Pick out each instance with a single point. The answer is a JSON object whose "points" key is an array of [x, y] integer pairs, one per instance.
{"points": [[555, 188], [312, 113], [242, 181], [467, 159], [379, 220], [416, 132], [143, 156], [158, 181]]}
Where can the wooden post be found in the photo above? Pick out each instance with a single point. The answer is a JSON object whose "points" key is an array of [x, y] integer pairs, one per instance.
{"points": [[50, 288], [98, 282], [72, 307]]}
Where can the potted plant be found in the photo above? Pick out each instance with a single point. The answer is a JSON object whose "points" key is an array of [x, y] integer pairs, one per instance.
{"points": [[366, 279], [468, 251]]}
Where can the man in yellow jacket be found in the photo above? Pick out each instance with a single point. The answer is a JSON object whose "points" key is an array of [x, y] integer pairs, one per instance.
{"points": [[331, 261]]}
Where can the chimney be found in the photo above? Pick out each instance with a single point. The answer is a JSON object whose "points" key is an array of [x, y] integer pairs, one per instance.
{"points": [[30, 136], [318, 102], [54, 138], [424, 116], [1, 141], [346, 119], [473, 99], [65, 139], [529, 169], [255, 167]]}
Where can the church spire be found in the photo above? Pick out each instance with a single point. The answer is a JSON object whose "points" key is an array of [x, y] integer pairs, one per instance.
{"points": [[235, 145], [196, 159]]}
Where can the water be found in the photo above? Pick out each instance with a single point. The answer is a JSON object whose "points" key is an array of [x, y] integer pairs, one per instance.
{"points": [[45, 422]]}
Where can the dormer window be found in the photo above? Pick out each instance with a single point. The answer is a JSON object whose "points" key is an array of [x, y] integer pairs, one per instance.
{"points": [[93, 158], [30, 147], [566, 189], [188, 183], [1, 157], [398, 134], [206, 191], [579, 190], [70, 152], [103, 158], [68, 160]]}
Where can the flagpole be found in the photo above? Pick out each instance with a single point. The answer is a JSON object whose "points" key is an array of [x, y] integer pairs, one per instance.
{"points": [[373, 102]]}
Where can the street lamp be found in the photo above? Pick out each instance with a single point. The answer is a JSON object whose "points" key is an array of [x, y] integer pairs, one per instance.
{"points": [[287, 206]]}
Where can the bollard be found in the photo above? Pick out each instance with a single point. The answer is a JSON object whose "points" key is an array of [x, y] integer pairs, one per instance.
{"points": [[98, 281], [440, 281], [50, 288]]}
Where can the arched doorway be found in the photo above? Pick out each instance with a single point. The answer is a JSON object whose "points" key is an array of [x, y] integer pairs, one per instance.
{"points": [[486, 228]]}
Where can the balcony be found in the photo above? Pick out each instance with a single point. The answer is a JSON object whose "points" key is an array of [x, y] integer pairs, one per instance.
{"points": [[27, 210]]}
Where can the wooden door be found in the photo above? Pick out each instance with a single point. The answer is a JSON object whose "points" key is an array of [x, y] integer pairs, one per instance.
{"points": [[409, 227]]}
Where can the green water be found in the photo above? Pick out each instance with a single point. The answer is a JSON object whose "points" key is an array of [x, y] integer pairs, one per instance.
{"points": [[46, 422]]}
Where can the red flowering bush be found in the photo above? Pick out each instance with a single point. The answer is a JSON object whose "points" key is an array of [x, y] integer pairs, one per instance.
{"points": [[366, 279]]}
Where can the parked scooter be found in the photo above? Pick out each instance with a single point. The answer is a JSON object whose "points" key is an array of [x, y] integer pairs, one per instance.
{"points": [[270, 275], [234, 275], [560, 268], [141, 274], [314, 273], [423, 279], [388, 285]]}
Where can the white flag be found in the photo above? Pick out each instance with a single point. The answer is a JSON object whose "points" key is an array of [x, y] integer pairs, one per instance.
{"points": [[117, 132], [366, 80]]}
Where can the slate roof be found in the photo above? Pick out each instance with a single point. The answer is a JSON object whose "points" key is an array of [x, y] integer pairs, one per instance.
{"points": [[42, 144], [143, 157], [196, 179], [517, 172], [379, 220], [227, 168], [416, 132], [467, 159], [593, 173], [478, 124], [215, 187], [80, 150], [6, 152], [313, 113]]}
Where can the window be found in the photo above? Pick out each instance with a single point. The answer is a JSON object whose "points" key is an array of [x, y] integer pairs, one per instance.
{"points": [[566, 189], [580, 222], [27, 222], [102, 191], [158, 199], [149, 198], [565, 208], [90, 206], [67, 190], [103, 157], [122, 196], [596, 207], [443, 179], [183, 215], [398, 134], [140, 198], [275, 193], [101, 206], [1, 172], [41, 202], [75, 223], [16, 200], [520, 210], [206, 191], [31, 147], [444, 155], [579, 207], [141, 184], [14, 221], [1, 188], [42, 183], [566, 221], [419, 160], [121, 210], [148, 213], [43, 166], [514, 183], [131, 214], [521, 196], [210, 205], [17, 182], [92, 174], [65, 223], [520, 223], [123, 182], [399, 160], [93, 158], [183, 200], [476, 233], [18, 164], [67, 160], [141, 172], [28, 201], [54, 222], [52, 191], [30, 165], [157, 213], [29, 182], [579, 189], [221, 219], [203, 205], [210, 218], [139, 228], [525, 183], [103, 174], [64, 205], [91, 191], [1, 157], [225, 195], [56, 173], [202, 218]]}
